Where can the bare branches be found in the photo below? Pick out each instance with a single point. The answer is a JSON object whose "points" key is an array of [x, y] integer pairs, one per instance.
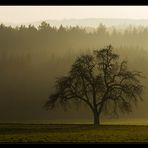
{"points": [[101, 82]]}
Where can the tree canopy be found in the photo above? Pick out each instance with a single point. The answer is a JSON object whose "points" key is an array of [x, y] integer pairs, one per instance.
{"points": [[101, 82]]}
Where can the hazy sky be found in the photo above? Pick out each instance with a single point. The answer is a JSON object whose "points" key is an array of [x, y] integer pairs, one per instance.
{"points": [[22, 14]]}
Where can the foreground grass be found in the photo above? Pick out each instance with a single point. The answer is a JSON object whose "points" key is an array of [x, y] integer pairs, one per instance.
{"points": [[72, 133]]}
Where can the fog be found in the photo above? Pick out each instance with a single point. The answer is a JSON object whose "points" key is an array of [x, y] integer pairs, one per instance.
{"points": [[31, 58]]}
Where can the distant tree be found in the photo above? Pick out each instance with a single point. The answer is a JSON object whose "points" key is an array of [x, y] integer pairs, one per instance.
{"points": [[101, 29], [61, 29], [100, 82], [44, 26], [31, 28]]}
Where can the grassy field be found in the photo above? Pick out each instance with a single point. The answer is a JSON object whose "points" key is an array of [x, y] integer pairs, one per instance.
{"points": [[28, 133]]}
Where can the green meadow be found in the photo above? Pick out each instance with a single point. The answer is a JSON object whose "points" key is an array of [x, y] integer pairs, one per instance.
{"points": [[110, 131]]}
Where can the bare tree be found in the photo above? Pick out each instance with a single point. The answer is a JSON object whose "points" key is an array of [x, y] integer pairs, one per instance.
{"points": [[101, 82]]}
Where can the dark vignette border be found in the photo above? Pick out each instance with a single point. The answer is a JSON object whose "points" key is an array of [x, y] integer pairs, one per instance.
{"points": [[74, 2]]}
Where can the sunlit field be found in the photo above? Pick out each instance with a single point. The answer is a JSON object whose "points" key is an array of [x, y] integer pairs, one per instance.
{"points": [[109, 131], [115, 121]]}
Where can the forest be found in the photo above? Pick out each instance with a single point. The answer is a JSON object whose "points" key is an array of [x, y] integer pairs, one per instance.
{"points": [[31, 58]]}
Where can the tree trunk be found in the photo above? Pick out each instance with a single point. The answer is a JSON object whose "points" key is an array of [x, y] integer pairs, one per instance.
{"points": [[96, 119]]}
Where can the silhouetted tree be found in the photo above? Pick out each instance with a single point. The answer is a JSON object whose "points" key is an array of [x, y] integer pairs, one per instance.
{"points": [[100, 82]]}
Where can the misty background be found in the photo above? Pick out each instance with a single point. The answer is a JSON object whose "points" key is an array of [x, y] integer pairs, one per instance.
{"points": [[33, 55]]}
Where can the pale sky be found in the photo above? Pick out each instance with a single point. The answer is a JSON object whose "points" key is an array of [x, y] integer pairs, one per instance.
{"points": [[25, 14]]}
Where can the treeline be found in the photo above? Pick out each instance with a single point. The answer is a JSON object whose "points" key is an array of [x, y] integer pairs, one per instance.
{"points": [[45, 39], [44, 36], [31, 39]]}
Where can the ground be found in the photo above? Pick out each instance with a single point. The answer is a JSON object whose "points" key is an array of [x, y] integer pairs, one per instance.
{"points": [[72, 133]]}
